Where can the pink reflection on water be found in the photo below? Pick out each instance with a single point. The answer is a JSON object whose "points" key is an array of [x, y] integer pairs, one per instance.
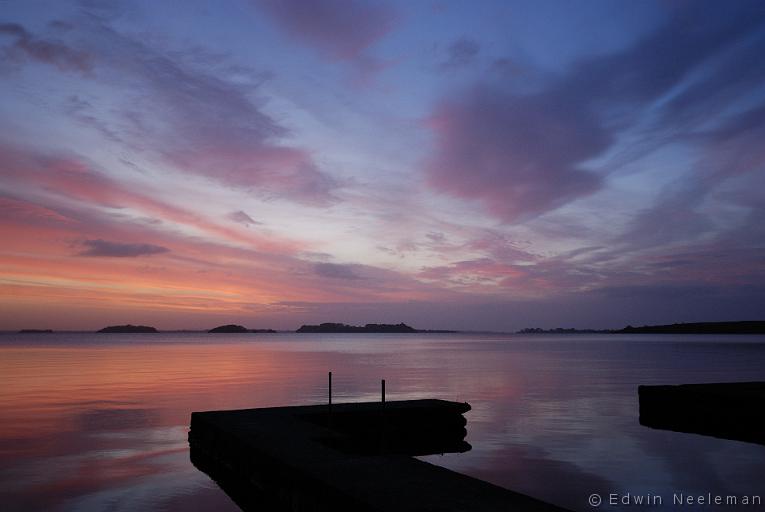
{"points": [[98, 422]]}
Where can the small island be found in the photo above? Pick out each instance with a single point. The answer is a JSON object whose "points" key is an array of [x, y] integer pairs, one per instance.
{"points": [[329, 327], [35, 331], [133, 329], [229, 328], [233, 328]]}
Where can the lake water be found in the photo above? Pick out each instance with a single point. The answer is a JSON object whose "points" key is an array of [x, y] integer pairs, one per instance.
{"points": [[97, 422]]}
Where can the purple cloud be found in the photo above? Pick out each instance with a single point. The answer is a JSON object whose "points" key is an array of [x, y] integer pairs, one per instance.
{"points": [[523, 153], [109, 249], [56, 53], [340, 29], [194, 119], [242, 218], [518, 155], [213, 128], [460, 53], [335, 271]]}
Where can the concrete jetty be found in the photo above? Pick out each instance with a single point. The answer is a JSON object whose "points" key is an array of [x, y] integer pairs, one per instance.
{"points": [[731, 410], [358, 457]]}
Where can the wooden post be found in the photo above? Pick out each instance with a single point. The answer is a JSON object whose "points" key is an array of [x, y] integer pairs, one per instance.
{"points": [[383, 391]]}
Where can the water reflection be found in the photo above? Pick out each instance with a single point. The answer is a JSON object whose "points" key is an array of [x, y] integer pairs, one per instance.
{"points": [[99, 422]]}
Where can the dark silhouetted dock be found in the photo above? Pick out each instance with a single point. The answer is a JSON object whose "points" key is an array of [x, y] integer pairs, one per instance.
{"points": [[358, 458], [734, 410]]}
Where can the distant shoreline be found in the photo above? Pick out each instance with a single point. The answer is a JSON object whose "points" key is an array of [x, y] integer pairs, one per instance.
{"points": [[743, 327], [739, 327]]}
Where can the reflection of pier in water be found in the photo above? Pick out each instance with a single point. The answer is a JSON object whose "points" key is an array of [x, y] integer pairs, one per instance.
{"points": [[733, 410], [358, 458]]}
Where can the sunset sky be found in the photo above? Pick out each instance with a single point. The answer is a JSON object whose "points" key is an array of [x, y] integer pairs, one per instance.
{"points": [[467, 165]]}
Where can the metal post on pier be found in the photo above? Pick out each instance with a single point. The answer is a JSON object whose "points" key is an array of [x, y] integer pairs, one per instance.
{"points": [[383, 426], [329, 395]]}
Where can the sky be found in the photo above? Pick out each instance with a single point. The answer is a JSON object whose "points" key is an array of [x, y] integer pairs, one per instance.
{"points": [[489, 165]]}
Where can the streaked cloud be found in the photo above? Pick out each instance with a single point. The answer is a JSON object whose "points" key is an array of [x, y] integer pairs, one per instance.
{"points": [[25, 46], [195, 120], [335, 271], [242, 218], [106, 248]]}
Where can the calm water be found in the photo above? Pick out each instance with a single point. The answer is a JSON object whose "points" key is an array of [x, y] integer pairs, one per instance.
{"points": [[99, 422]]}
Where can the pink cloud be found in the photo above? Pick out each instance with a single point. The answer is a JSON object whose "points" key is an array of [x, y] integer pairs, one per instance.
{"points": [[187, 116], [43, 266], [21, 211], [73, 180], [518, 156], [269, 170], [155, 266]]}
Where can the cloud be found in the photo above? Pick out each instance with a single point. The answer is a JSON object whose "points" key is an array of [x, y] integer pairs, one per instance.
{"points": [[522, 153], [335, 271], [339, 29], [518, 155], [211, 127], [72, 182], [727, 175], [242, 218], [480, 272], [460, 53], [119, 250], [436, 237], [27, 213], [56, 53], [187, 113]]}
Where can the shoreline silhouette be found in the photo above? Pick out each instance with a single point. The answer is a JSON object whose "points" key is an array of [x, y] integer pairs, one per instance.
{"points": [[733, 327]]}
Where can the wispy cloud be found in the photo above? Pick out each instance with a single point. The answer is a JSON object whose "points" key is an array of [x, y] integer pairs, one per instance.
{"points": [[335, 271], [192, 118], [242, 218], [24, 46], [106, 248], [67, 180]]}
